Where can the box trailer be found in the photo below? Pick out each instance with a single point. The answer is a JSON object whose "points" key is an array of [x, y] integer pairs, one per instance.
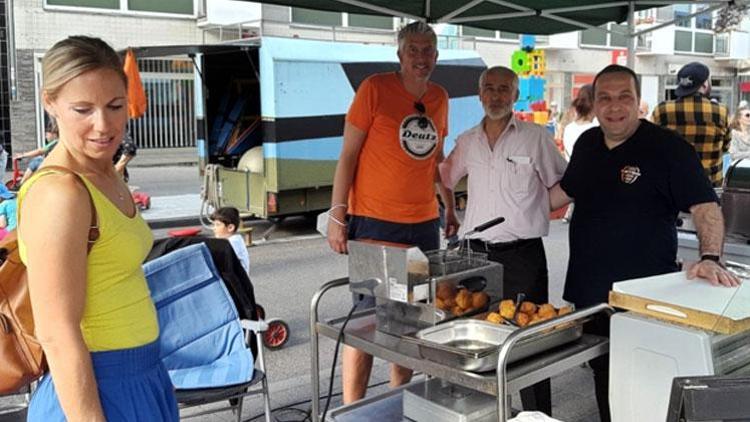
{"points": [[270, 115]]}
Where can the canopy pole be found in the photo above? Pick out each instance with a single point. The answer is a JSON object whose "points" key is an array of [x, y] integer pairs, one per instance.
{"points": [[631, 35]]}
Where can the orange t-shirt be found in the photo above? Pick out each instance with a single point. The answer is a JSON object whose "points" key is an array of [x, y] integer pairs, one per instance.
{"points": [[395, 176]]}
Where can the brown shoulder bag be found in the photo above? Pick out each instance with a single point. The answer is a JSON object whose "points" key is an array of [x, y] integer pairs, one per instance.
{"points": [[21, 356]]}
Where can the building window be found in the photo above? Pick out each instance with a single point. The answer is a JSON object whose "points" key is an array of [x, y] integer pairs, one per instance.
{"points": [[469, 31], [594, 37], [508, 35], [680, 13], [722, 44], [99, 4], [704, 43], [316, 17], [619, 36], [704, 20], [370, 21], [683, 41], [179, 7]]}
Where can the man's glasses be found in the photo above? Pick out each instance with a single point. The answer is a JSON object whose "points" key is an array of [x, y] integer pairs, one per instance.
{"points": [[423, 123]]}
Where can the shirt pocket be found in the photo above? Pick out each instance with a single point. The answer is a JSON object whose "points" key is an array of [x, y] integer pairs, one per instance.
{"points": [[520, 177]]}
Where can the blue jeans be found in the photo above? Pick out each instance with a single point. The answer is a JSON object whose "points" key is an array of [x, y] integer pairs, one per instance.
{"points": [[426, 236]]}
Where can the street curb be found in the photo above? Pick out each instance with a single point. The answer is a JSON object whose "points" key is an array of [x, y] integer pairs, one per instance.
{"points": [[166, 223], [177, 164]]}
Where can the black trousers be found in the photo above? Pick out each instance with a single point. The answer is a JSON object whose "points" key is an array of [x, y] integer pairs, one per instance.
{"points": [[524, 271], [600, 366]]}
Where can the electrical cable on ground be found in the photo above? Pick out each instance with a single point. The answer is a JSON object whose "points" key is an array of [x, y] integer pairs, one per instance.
{"points": [[335, 356]]}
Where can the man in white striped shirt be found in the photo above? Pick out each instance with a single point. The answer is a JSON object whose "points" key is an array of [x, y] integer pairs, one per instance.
{"points": [[511, 165]]}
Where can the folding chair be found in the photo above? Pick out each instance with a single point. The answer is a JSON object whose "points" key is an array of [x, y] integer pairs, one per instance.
{"points": [[204, 344]]}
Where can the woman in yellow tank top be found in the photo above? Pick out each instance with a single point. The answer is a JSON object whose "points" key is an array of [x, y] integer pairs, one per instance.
{"points": [[93, 312]]}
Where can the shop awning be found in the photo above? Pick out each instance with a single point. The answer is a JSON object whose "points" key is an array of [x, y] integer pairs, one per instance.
{"points": [[539, 17]]}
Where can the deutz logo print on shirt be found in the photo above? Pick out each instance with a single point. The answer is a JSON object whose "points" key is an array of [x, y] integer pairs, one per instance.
{"points": [[418, 136]]}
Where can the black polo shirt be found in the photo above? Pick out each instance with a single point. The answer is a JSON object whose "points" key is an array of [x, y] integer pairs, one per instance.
{"points": [[626, 205]]}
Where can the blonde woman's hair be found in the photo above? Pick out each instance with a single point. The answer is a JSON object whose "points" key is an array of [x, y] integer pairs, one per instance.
{"points": [[74, 56], [735, 123]]}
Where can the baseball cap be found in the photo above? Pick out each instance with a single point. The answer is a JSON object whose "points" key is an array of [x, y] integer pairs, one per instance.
{"points": [[690, 78], [5, 193]]}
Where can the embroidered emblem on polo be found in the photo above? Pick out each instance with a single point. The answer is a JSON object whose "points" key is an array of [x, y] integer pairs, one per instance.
{"points": [[629, 174], [418, 136]]}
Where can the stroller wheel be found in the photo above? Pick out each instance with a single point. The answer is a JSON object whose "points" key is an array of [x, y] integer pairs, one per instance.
{"points": [[260, 311], [276, 335]]}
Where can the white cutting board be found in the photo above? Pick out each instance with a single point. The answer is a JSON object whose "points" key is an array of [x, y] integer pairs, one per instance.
{"points": [[698, 294]]}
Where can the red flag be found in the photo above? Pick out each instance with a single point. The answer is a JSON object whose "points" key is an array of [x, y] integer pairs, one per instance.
{"points": [[137, 102]]}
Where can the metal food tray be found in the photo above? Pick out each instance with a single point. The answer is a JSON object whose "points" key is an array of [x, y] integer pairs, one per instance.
{"points": [[473, 345]]}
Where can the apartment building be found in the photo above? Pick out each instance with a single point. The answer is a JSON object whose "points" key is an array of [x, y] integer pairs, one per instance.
{"points": [[572, 58], [34, 25]]}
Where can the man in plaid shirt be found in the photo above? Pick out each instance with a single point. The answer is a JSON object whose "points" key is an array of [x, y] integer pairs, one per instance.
{"points": [[696, 118]]}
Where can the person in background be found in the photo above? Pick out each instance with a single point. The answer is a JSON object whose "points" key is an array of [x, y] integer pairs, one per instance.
{"points": [[386, 177], [226, 224], [83, 243], [583, 121], [125, 153], [740, 146], [510, 166], [553, 126], [629, 179], [643, 110], [7, 211], [3, 159], [702, 122], [38, 155]]}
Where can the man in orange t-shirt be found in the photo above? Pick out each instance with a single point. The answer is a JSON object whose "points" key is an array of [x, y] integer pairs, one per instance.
{"points": [[386, 176]]}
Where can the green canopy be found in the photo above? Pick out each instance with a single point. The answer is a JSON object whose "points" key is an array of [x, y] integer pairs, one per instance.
{"points": [[530, 16]]}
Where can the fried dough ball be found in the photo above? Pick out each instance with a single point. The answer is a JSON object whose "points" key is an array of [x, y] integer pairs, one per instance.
{"points": [[495, 318], [547, 311], [469, 310], [449, 303], [440, 304], [535, 319], [507, 308], [522, 319], [528, 308], [564, 310], [457, 310], [479, 299], [463, 299], [445, 291]]}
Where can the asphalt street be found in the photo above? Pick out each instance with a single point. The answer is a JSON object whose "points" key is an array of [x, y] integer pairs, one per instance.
{"points": [[290, 266], [288, 270]]}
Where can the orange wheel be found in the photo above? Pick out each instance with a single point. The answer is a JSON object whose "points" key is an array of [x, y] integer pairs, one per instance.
{"points": [[277, 334]]}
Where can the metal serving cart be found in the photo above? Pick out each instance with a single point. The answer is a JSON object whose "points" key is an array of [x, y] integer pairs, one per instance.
{"points": [[403, 281]]}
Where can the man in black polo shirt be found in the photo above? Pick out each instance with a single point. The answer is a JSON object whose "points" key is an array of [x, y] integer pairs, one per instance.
{"points": [[629, 178]]}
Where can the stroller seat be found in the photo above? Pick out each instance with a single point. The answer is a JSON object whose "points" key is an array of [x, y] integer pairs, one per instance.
{"points": [[203, 345]]}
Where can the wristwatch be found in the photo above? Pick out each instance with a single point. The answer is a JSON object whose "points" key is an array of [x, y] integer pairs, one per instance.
{"points": [[714, 258]]}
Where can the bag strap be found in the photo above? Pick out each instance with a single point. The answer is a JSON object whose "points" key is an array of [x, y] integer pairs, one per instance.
{"points": [[94, 224]]}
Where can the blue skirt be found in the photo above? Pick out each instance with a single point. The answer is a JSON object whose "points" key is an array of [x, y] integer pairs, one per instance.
{"points": [[133, 386]]}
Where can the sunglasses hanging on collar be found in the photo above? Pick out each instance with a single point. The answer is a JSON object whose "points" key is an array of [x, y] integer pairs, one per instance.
{"points": [[419, 106]]}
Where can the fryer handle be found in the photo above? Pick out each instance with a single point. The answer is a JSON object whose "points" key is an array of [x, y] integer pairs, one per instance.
{"points": [[516, 336], [484, 226]]}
